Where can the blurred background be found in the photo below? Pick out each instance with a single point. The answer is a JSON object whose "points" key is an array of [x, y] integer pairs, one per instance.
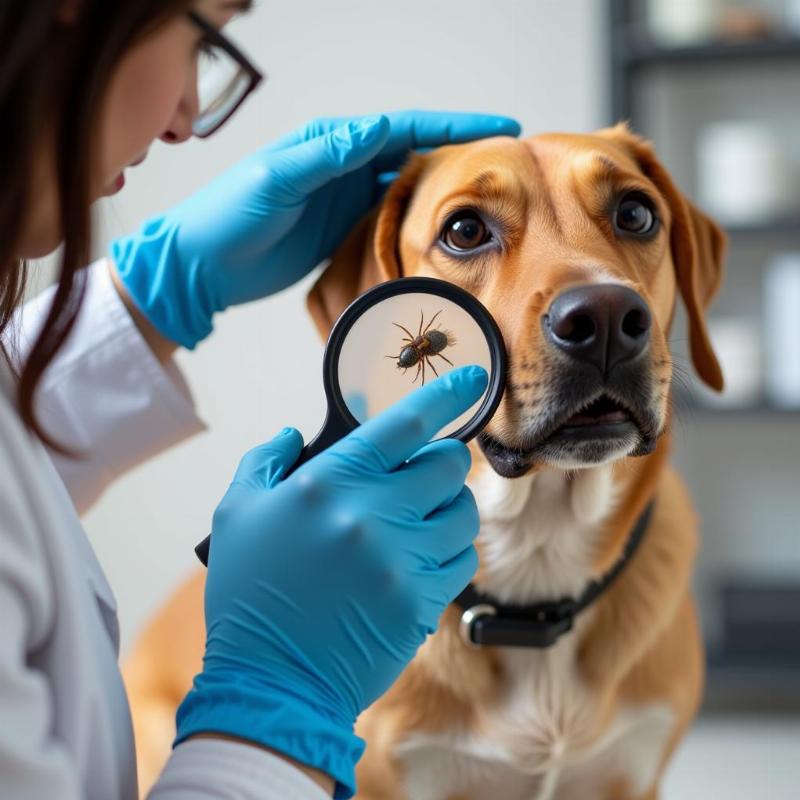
{"points": [[716, 85]]}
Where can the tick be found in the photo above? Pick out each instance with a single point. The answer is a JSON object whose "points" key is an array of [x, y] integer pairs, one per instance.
{"points": [[420, 348]]}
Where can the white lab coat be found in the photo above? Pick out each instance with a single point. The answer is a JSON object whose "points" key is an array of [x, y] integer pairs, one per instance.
{"points": [[65, 728]]}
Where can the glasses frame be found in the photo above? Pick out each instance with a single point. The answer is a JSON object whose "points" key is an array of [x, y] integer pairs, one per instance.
{"points": [[216, 38]]}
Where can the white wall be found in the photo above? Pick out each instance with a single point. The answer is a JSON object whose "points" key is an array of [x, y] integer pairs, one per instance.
{"points": [[539, 60]]}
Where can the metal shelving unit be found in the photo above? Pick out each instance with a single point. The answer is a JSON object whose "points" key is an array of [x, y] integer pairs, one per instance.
{"points": [[739, 676]]}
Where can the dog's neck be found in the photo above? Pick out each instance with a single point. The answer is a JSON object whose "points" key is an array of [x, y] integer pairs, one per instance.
{"points": [[540, 532]]}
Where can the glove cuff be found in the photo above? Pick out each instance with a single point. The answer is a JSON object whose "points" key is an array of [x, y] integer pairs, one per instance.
{"points": [[169, 292], [276, 716]]}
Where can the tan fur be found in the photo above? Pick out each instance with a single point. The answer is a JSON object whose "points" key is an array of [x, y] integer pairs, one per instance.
{"points": [[639, 646]]}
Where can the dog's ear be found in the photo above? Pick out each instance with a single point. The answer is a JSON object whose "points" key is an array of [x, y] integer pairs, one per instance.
{"points": [[698, 252], [369, 255]]}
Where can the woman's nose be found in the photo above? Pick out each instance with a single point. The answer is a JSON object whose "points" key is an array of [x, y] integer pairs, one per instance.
{"points": [[180, 126]]}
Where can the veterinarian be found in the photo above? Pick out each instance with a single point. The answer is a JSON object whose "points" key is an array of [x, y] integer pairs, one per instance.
{"points": [[321, 587]]}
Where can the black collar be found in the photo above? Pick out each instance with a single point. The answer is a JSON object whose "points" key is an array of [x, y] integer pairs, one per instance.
{"points": [[485, 622]]}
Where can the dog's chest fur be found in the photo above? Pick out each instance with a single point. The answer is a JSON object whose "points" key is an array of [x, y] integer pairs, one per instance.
{"points": [[539, 740]]}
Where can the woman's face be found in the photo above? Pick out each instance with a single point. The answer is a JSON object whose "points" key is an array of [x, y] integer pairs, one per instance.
{"points": [[152, 94]]}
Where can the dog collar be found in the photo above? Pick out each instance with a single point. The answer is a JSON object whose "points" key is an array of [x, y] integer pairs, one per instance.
{"points": [[487, 623]]}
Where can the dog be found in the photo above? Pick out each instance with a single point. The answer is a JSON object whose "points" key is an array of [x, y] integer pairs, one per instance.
{"points": [[573, 664]]}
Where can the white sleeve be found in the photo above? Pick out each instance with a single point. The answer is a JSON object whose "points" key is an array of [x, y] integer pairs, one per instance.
{"points": [[212, 769], [105, 394]]}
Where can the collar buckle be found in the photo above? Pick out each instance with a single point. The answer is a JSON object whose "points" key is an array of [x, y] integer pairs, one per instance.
{"points": [[470, 616], [482, 626]]}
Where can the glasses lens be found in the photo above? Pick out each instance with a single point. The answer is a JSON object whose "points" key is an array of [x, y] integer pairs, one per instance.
{"points": [[221, 84]]}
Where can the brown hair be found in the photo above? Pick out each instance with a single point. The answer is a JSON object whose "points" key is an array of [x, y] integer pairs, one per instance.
{"points": [[56, 73]]}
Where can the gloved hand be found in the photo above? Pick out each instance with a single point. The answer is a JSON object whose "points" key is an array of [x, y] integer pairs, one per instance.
{"points": [[269, 220], [321, 587]]}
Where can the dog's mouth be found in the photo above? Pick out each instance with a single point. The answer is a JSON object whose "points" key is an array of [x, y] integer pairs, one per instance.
{"points": [[602, 411], [599, 430]]}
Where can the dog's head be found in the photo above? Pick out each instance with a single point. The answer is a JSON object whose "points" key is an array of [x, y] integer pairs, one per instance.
{"points": [[578, 245]]}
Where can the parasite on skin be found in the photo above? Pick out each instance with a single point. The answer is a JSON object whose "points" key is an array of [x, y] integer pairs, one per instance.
{"points": [[422, 347]]}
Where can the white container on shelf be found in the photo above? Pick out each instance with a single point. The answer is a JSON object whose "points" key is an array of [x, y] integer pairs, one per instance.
{"points": [[792, 16], [743, 173], [782, 330], [737, 343], [678, 23]]}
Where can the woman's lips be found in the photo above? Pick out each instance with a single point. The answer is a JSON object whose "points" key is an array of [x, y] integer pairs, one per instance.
{"points": [[115, 185], [118, 182]]}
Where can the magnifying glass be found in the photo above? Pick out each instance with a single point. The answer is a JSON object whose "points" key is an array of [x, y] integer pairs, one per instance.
{"points": [[393, 339]]}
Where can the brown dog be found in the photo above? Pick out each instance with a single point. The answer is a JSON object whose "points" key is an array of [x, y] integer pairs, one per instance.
{"points": [[578, 245]]}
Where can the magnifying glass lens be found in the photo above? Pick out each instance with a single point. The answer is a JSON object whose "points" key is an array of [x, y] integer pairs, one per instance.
{"points": [[403, 342]]}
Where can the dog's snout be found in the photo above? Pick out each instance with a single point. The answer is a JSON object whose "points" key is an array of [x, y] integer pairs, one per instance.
{"points": [[601, 324]]}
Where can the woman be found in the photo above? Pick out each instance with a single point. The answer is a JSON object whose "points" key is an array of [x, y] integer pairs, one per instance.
{"points": [[320, 587]]}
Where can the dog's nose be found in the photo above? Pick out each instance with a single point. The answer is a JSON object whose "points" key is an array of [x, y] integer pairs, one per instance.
{"points": [[602, 324]]}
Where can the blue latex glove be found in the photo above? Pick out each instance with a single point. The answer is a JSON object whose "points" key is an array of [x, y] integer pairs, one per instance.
{"points": [[269, 220], [321, 587]]}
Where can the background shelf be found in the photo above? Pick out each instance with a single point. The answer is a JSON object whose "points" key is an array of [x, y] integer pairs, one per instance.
{"points": [[762, 409], [639, 51], [735, 685], [781, 227]]}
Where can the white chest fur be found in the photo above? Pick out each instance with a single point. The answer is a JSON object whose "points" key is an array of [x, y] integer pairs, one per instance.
{"points": [[539, 532], [538, 742]]}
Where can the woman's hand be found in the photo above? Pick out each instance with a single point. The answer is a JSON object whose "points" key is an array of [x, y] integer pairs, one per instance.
{"points": [[269, 220], [322, 587]]}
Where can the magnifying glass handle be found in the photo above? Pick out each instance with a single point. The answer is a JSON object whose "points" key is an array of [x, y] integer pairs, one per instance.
{"points": [[202, 550], [332, 430]]}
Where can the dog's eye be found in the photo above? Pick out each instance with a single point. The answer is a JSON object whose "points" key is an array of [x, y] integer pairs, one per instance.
{"points": [[465, 230], [635, 214]]}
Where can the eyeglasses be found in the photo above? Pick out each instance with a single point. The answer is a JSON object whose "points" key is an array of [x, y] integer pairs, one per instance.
{"points": [[224, 78]]}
